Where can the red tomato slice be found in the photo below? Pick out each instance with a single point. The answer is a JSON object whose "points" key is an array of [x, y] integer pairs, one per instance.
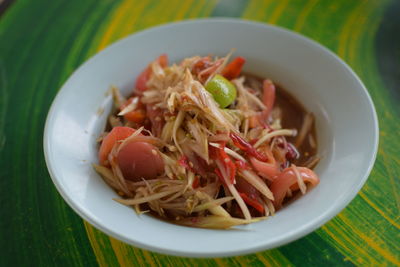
{"points": [[139, 160], [234, 68], [143, 77], [138, 115], [116, 134]]}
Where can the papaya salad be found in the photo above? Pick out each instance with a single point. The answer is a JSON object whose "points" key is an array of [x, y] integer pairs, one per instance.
{"points": [[202, 144]]}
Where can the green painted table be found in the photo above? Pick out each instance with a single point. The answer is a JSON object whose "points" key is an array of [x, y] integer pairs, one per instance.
{"points": [[43, 42]]}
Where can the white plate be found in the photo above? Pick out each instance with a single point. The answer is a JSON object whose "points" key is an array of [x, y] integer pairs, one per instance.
{"points": [[346, 121]]}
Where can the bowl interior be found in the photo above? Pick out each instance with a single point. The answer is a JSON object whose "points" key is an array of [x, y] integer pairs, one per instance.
{"points": [[345, 118]]}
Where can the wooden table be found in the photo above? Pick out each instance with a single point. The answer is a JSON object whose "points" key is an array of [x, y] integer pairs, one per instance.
{"points": [[42, 42]]}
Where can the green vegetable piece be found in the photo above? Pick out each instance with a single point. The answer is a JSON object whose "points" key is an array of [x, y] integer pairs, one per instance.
{"points": [[223, 91]]}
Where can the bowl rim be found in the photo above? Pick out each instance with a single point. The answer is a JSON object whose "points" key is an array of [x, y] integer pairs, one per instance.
{"points": [[316, 222]]}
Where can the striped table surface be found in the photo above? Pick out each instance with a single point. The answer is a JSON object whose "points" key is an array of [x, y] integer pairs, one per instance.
{"points": [[43, 42]]}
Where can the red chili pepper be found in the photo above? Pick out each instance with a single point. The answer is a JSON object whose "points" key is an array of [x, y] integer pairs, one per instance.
{"points": [[218, 153], [233, 69], [228, 163], [246, 147], [252, 202], [232, 170], [196, 182]]}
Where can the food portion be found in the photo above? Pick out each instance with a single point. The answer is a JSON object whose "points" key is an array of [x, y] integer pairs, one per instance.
{"points": [[202, 144]]}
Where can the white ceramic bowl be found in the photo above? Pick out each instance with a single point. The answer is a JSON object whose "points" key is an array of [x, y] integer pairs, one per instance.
{"points": [[346, 122]]}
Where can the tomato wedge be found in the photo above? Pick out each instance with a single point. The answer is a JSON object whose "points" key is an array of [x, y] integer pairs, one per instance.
{"points": [[138, 115], [234, 68], [116, 134], [141, 81], [140, 160]]}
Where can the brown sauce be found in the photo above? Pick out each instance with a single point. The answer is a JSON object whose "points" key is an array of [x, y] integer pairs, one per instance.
{"points": [[292, 117], [293, 114]]}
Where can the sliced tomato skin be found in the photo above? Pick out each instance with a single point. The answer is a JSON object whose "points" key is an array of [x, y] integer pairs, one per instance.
{"points": [[116, 134], [139, 160]]}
